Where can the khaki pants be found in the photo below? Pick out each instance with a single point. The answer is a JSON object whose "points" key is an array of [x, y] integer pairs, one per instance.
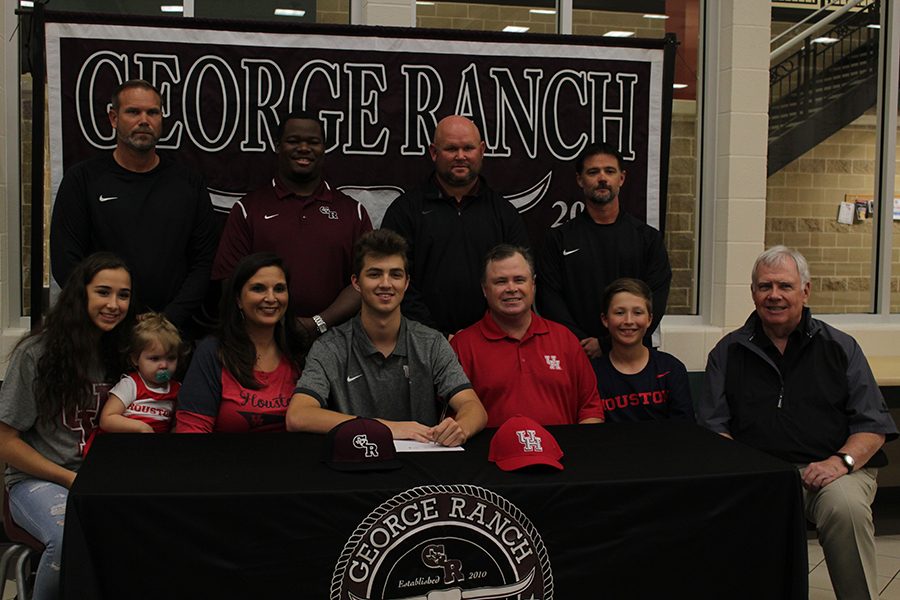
{"points": [[842, 513]]}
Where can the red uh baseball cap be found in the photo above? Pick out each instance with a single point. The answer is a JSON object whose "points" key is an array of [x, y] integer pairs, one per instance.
{"points": [[522, 442], [361, 445]]}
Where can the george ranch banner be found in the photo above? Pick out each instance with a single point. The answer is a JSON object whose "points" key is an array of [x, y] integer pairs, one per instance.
{"points": [[537, 99]]}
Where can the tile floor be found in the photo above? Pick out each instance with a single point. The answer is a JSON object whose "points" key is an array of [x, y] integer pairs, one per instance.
{"points": [[10, 592], [887, 548]]}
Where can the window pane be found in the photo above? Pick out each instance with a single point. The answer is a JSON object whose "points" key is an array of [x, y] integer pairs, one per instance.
{"points": [[288, 11], [324, 11], [681, 213], [822, 160], [336, 12], [537, 18], [681, 210], [25, 116], [681, 233], [895, 251], [123, 7], [600, 22]]}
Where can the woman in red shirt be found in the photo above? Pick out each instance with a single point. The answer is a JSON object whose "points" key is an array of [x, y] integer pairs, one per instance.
{"points": [[242, 378]]}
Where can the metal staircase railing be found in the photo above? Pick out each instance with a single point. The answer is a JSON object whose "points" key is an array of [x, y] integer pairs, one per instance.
{"points": [[822, 86], [819, 21]]}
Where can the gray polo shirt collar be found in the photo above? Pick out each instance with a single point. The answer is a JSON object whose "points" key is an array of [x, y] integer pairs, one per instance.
{"points": [[364, 345]]}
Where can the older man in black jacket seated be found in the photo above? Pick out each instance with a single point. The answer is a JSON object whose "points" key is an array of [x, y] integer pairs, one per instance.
{"points": [[797, 388]]}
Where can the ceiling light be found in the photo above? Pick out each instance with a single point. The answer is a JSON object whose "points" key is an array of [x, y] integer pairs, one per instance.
{"points": [[27, 4], [172, 8], [289, 12], [656, 16], [622, 34], [825, 40], [515, 29], [424, 3], [679, 86], [871, 26], [542, 11]]}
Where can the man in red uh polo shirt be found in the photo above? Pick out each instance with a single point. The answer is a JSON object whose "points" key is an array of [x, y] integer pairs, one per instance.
{"points": [[518, 362], [306, 222]]}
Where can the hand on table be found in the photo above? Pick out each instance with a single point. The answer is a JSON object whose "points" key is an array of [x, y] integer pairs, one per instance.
{"points": [[409, 430], [448, 433]]}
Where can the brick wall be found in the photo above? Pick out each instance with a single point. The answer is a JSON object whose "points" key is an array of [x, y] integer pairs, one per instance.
{"points": [[801, 211], [333, 11], [681, 210]]}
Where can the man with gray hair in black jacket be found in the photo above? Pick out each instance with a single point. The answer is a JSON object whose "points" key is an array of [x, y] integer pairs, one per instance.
{"points": [[797, 388]]}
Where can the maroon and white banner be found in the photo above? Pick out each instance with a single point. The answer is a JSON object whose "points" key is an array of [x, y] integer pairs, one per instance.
{"points": [[380, 91]]}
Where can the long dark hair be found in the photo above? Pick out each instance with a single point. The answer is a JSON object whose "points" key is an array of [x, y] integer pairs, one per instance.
{"points": [[236, 350], [73, 345]]}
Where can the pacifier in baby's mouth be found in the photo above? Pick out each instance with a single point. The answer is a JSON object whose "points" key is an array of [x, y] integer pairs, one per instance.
{"points": [[163, 376]]}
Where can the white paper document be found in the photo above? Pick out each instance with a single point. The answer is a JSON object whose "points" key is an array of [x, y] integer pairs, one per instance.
{"points": [[413, 446], [845, 214]]}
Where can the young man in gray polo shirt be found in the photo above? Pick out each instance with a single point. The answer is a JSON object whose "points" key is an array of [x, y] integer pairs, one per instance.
{"points": [[382, 365]]}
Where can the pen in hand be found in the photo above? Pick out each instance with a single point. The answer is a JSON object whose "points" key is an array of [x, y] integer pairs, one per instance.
{"points": [[442, 417]]}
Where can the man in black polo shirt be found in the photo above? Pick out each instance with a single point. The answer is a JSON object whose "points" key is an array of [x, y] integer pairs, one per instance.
{"points": [[603, 243], [148, 208], [801, 390], [306, 222], [450, 223]]}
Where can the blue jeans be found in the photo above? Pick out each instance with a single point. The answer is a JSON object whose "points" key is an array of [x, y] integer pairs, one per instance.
{"points": [[39, 507]]}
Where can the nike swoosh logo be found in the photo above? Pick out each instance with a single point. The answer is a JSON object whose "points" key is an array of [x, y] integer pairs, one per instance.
{"points": [[103, 198], [661, 375], [426, 212], [349, 379], [568, 252], [267, 217]]}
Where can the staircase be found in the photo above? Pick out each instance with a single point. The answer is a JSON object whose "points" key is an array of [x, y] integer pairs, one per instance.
{"points": [[821, 88]]}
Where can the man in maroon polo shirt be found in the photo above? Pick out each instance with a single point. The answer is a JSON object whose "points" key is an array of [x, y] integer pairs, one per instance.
{"points": [[306, 222], [518, 362]]}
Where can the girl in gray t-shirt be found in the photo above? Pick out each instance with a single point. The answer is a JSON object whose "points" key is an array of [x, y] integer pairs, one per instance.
{"points": [[50, 402]]}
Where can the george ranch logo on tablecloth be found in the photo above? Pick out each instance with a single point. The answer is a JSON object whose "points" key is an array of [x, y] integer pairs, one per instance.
{"points": [[447, 542]]}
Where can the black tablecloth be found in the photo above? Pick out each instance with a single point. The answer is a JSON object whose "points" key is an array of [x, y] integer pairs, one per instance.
{"points": [[640, 511]]}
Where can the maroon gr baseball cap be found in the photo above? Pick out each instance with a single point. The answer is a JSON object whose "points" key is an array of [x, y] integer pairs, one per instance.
{"points": [[361, 445], [523, 442]]}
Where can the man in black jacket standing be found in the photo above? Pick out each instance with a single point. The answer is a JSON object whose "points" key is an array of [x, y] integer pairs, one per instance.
{"points": [[149, 209], [450, 223], [603, 243]]}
